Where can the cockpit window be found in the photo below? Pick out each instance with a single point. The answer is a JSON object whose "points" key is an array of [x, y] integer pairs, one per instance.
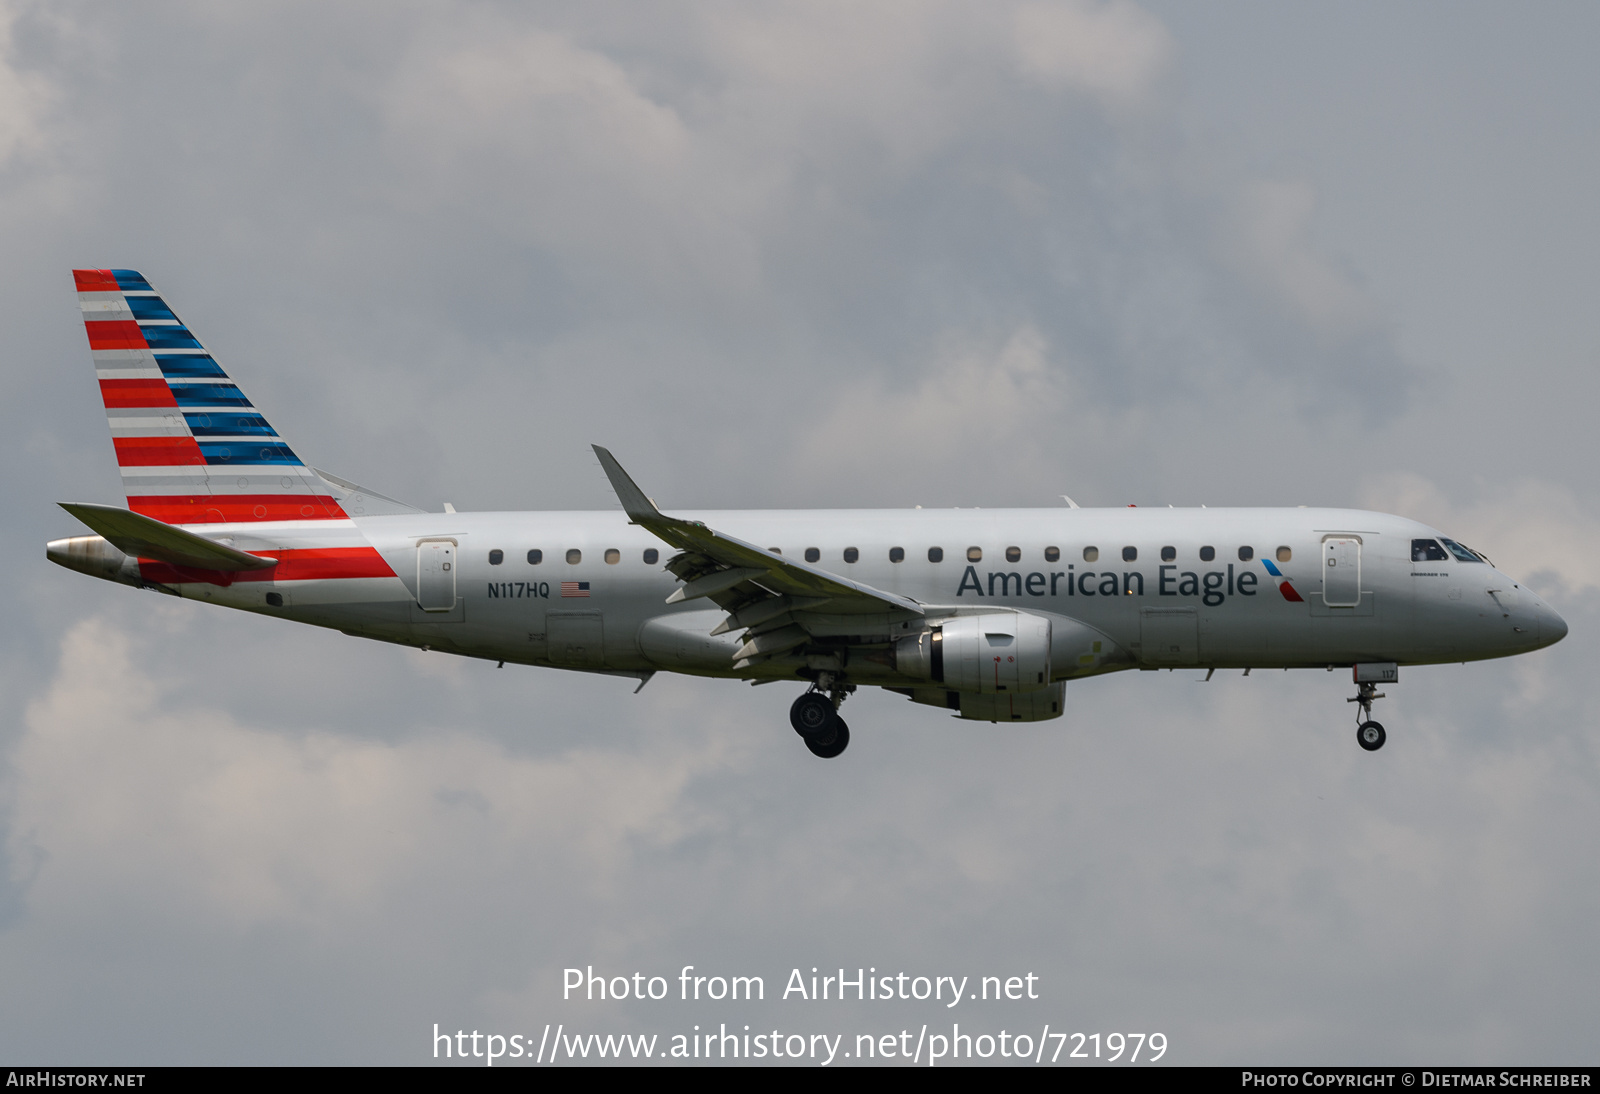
{"points": [[1426, 550], [1465, 554]]}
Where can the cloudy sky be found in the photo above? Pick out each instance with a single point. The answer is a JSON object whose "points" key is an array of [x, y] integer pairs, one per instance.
{"points": [[791, 255]]}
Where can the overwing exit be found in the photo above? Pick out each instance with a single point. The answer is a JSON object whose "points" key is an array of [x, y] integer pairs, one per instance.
{"points": [[985, 613]]}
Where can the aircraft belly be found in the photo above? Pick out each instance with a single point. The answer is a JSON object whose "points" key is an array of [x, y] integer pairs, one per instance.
{"points": [[682, 642]]}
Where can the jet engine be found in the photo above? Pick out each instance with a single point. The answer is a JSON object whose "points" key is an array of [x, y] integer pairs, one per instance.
{"points": [[988, 654]]}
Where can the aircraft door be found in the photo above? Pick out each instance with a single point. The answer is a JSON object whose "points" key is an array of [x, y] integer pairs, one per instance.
{"points": [[1341, 571], [436, 575]]}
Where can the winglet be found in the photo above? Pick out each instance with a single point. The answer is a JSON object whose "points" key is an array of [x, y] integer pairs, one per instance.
{"points": [[634, 503]]}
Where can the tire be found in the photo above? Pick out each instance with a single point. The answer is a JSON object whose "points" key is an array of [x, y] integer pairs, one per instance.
{"points": [[1370, 736], [813, 715], [840, 741]]}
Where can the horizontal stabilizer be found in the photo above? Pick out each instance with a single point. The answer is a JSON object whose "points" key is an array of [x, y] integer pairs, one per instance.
{"points": [[144, 537]]}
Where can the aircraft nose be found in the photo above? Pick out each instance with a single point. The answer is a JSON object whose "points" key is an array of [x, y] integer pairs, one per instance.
{"points": [[1552, 628]]}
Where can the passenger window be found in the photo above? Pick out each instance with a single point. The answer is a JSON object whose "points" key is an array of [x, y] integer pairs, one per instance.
{"points": [[1284, 554], [1091, 554], [496, 557], [535, 557], [1427, 550], [897, 554], [1246, 554], [1052, 554], [651, 556], [1465, 554], [1130, 554], [613, 556], [935, 554], [776, 550], [1207, 554], [812, 554], [851, 554], [1169, 554], [574, 557], [974, 554], [1013, 554]]}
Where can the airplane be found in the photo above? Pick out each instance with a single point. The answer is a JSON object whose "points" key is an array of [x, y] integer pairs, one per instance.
{"points": [[987, 613]]}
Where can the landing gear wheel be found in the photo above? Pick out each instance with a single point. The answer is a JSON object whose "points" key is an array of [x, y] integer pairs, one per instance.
{"points": [[1370, 736], [839, 742], [811, 716]]}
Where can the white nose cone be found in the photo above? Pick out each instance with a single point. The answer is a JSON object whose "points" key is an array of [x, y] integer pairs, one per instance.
{"points": [[1552, 628]]}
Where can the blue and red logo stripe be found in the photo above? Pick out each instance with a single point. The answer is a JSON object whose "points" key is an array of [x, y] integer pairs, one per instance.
{"points": [[1284, 587]]}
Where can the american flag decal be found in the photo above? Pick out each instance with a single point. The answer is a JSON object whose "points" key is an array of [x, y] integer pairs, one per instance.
{"points": [[574, 588]]}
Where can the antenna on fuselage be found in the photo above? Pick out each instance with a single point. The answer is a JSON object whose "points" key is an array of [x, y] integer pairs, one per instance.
{"points": [[1070, 503]]}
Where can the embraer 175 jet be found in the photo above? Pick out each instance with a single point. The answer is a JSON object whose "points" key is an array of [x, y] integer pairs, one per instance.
{"points": [[987, 613]]}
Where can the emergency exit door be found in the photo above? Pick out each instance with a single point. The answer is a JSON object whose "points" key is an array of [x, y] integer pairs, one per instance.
{"points": [[1341, 571]]}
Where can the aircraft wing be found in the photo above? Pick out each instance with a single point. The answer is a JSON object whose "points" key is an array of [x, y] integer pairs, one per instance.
{"points": [[779, 601], [144, 537]]}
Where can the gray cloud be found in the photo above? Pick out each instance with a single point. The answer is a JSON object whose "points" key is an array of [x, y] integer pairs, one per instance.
{"points": [[805, 255]]}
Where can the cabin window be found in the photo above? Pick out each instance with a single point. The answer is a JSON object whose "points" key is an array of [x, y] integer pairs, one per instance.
{"points": [[574, 557], [935, 554], [1207, 554], [1130, 554], [496, 557], [1465, 554], [974, 554], [1169, 554], [776, 550], [651, 556], [535, 557], [813, 555], [1426, 550], [1052, 554], [1091, 554], [851, 554], [1013, 554], [897, 554], [1246, 554], [613, 556], [1284, 554]]}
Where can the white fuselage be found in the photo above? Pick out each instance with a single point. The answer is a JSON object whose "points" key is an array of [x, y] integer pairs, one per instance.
{"points": [[1110, 611]]}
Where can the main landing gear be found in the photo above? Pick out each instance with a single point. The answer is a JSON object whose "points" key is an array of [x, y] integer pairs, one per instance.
{"points": [[815, 716], [1369, 734]]}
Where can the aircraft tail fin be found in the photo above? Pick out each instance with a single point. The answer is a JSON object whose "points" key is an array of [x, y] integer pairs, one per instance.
{"points": [[192, 447]]}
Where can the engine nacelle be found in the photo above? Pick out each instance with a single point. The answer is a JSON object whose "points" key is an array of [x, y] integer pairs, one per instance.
{"points": [[1005, 706], [993, 653]]}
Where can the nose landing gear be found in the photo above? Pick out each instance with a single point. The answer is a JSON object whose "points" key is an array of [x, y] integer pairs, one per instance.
{"points": [[1369, 734], [1367, 676], [815, 716]]}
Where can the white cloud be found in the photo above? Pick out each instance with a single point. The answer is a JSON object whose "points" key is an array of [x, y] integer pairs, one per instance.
{"points": [[1116, 51], [879, 422], [1529, 527], [124, 783], [1269, 238]]}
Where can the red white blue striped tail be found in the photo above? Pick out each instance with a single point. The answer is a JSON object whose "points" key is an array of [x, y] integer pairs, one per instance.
{"points": [[192, 447]]}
